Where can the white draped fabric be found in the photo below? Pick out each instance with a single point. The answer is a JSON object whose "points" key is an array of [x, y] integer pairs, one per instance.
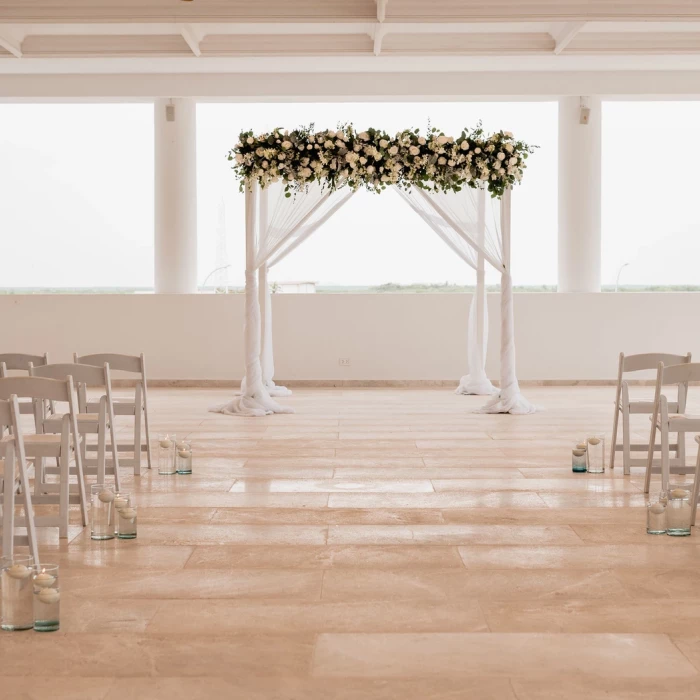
{"points": [[476, 382], [477, 233], [467, 220], [283, 223]]}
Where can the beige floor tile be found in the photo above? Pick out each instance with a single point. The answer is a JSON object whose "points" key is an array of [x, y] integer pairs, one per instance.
{"points": [[514, 655], [450, 584], [505, 500], [451, 534], [327, 557], [328, 516], [331, 486]]}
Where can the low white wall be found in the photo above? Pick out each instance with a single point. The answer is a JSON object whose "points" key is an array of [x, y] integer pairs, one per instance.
{"points": [[393, 337]]}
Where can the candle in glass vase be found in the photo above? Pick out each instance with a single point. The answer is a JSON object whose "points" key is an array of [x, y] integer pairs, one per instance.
{"points": [[166, 453], [102, 502], [578, 460], [595, 454], [184, 460], [656, 519], [127, 523], [678, 513], [15, 583], [47, 598]]}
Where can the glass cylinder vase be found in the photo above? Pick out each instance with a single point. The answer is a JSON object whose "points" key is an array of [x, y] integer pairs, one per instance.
{"points": [[656, 518], [678, 513], [183, 458], [595, 454], [16, 583], [578, 461], [127, 523], [166, 453], [101, 515], [121, 500], [47, 599]]}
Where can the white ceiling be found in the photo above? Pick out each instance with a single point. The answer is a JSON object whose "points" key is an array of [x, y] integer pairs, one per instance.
{"points": [[68, 36]]}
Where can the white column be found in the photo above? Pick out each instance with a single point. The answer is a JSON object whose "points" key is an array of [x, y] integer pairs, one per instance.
{"points": [[579, 194], [175, 196]]}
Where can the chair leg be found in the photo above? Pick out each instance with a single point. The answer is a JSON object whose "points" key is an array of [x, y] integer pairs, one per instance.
{"points": [[138, 402], [680, 448], [64, 486], [28, 511], [101, 453], [696, 487], [8, 502], [148, 430], [650, 454], [616, 420], [626, 452], [665, 457]]}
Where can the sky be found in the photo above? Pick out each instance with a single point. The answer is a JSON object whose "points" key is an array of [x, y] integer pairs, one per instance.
{"points": [[77, 203]]}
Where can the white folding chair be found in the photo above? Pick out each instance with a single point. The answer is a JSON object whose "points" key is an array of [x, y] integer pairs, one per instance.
{"points": [[20, 362], [625, 407], [14, 481], [696, 483], [134, 364], [667, 422], [60, 447], [98, 424]]}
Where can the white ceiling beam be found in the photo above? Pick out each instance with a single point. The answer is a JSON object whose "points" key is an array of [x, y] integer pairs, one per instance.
{"points": [[191, 37], [379, 33], [381, 10], [566, 35], [9, 43]]}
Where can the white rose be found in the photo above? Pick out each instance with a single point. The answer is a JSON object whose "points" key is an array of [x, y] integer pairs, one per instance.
{"points": [[442, 160], [357, 148], [509, 134], [414, 150], [328, 144], [421, 141], [477, 150], [331, 134], [370, 169], [512, 161], [309, 147], [383, 143], [281, 156], [450, 162], [239, 158], [286, 145], [509, 147], [259, 151], [265, 164], [394, 150], [306, 172], [364, 136], [340, 135], [363, 160], [464, 145], [442, 140], [250, 140], [339, 143], [385, 178], [501, 156]]}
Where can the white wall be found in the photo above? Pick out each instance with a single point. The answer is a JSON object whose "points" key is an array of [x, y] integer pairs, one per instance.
{"points": [[411, 336]]}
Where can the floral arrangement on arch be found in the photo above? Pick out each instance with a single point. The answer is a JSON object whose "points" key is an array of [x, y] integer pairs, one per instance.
{"points": [[374, 160]]}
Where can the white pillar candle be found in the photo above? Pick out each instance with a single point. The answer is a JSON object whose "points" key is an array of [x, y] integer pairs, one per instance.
{"points": [[19, 571], [106, 496], [44, 580], [121, 502], [49, 595]]}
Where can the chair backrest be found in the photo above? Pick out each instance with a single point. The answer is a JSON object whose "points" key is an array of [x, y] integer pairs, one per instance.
{"points": [[89, 375], [123, 363], [20, 361], [678, 374], [9, 416], [650, 360], [5, 413], [36, 388]]}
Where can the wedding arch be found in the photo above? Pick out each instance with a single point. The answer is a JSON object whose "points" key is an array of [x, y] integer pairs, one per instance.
{"points": [[294, 181]]}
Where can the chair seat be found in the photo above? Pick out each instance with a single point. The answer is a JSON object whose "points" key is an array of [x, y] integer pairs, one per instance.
{"points": [[680, 421], [648, 406], [54, 424], [121, 406]]}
